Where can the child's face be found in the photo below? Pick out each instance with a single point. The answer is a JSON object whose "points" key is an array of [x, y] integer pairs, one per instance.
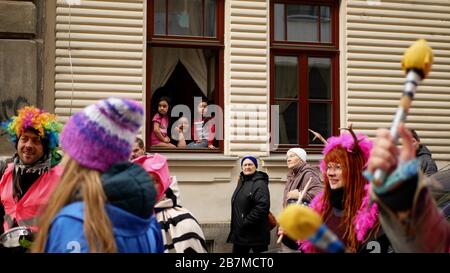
{"points": [[202, 108], [163, 107]]}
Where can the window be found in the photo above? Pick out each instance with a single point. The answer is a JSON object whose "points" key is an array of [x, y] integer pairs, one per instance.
{"points": [[184, 62], [197, 18], [304, 70]]}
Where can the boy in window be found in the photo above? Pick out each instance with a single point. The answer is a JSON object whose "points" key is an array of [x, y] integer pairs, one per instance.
{"points": [[203, 129]]}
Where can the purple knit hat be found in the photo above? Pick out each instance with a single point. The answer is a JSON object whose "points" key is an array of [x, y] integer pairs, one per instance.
{"points": [[103, 133]]}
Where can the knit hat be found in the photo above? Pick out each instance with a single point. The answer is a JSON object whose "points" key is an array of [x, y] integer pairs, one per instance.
{"points": [[299, 152], [102, 133], [156, 164], [40, 121], [252, 158]]}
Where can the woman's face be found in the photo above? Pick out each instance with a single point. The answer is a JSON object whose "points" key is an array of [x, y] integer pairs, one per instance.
{"points": [[292, 160], [248, 167], [334, 174]]}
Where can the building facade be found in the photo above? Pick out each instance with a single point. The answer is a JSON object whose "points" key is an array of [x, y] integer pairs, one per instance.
{"points": [[325, 64]]}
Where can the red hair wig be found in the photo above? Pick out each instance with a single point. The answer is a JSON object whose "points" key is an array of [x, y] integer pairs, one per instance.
{"points": [[352, 165]]}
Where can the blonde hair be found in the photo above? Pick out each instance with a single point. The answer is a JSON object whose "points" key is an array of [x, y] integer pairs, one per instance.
{"points": [[97, 225]]}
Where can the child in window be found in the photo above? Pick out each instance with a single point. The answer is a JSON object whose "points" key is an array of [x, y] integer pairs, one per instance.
{"points": [[160, 122], [203, 129]]}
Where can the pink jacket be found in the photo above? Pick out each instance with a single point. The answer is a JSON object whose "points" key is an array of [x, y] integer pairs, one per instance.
{"points": [[26, 211]]}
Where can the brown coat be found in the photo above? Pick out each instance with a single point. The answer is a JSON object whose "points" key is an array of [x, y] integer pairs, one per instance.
{"points": [[298, 177]]}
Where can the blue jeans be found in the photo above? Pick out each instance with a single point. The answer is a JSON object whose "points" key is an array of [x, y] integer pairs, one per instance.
{"points": [[195, 145]]}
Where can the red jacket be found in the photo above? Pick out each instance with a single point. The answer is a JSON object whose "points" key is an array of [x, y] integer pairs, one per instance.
{"points": [[29, 207]]}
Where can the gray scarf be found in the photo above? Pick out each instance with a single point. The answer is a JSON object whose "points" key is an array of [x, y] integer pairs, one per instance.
{"points": [[30, 172]]}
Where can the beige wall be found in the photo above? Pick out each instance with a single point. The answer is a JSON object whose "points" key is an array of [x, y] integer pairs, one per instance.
{"points": [[375, 38]]}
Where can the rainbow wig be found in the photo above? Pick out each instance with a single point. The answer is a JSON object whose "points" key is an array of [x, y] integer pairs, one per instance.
{"points": [[42, 122]]}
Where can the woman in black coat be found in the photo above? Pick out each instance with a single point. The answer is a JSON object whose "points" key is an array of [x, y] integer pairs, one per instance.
{"points": [[250, 206]]}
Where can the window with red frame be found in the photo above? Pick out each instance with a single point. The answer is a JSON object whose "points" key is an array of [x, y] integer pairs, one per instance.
{"points": [[184, 58], [305, 70]]}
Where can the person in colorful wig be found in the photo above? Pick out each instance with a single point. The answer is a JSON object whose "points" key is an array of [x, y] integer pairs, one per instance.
{"points": [[408, 212], [104, 202], [29, 180], [344, 204]]}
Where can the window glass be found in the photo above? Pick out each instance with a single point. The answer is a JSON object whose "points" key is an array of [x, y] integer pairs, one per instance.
{"points": [[279, 22], [302, 23], [325, 25], [286, 74], [160, 17], [210, 18], [288, 121], [319, 121], [319, 71], [185, 17]]}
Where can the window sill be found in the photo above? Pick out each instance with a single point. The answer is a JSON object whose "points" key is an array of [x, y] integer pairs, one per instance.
{"points": [[206, 159], [185, 150], [204, 168]]}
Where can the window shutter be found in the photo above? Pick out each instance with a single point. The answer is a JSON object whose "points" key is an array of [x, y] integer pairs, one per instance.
{"points": [[247, 83], [107, 42]]}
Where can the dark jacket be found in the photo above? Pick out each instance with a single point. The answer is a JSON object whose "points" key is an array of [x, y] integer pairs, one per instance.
{"points": [[131, 197], [439, 185], [426, 163], [250, 206], [373, 243], [298, 177]]}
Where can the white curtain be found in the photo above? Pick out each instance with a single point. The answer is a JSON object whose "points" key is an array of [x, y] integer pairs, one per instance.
{"points": [[165, 59], [287, 86]]}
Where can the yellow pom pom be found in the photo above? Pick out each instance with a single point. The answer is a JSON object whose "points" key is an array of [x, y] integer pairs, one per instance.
{"points": [[299, 222], [419, 56]]}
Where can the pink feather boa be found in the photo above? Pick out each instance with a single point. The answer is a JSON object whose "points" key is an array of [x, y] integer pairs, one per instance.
{"points": [[364, 220]]}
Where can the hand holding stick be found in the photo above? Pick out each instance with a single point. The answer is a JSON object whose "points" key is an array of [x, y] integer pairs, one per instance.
{"points": [[303, 223], [299, 202], [416, 63]]}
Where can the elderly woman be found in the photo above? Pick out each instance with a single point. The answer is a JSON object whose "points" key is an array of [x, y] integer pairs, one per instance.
{"points": [[301, 178], [250, 206], [303, 182]]}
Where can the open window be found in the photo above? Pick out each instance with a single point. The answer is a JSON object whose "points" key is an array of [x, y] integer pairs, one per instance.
{"points": [[185, 64]]}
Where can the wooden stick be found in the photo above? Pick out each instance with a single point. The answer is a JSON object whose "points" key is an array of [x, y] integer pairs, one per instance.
{"points": [[280, 239], [299, 201]]}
